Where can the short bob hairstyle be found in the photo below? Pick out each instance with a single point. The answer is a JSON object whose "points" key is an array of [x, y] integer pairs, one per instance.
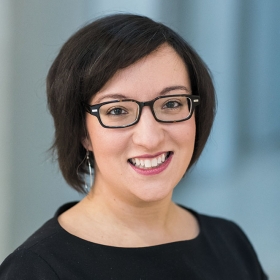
{"points": [[90, 58]]}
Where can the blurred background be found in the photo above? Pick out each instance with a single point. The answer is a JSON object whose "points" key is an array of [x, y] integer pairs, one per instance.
{"points": [[238, 175]]}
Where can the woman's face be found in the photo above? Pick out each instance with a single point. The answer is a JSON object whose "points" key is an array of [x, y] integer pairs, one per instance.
{"points": [[115, 150]]}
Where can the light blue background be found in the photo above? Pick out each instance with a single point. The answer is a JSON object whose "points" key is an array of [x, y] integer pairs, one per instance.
{"points": [[238, 175]]}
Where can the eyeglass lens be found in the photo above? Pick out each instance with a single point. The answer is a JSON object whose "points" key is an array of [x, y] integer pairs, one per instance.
{"points": [[119, 113], [124, 113]]}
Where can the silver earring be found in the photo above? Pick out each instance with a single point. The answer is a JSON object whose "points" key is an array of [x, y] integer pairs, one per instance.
{"points": [[89, 169], [90, 173]]}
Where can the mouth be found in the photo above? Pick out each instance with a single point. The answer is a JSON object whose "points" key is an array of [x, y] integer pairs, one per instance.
{"points": [[149, 163]]}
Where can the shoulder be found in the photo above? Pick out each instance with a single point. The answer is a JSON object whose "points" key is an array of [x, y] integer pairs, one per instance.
{"points": [[34, 258], [26, 265], [28, 261], [47, 231], [223, 230], [228, 242], [217, 226]]}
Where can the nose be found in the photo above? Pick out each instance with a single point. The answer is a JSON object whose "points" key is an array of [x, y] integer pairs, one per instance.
{"points": [[148, 133]]}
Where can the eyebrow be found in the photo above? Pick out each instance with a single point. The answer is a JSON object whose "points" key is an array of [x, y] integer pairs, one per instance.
{"points": [[166, 90]]}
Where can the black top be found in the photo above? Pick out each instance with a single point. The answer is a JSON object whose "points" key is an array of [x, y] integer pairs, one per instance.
{"points": [[220, 251]]}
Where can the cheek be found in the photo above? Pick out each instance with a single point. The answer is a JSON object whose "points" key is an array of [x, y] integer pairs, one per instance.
{"points": [[101, 139], [106, 143], [186, 132], [187, 142]]}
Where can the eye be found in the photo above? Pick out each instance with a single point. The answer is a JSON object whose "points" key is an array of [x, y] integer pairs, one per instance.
{"points": [[116, 111], [172, 104]]}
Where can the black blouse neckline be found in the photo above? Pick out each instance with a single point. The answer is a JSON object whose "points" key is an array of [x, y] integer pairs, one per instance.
{"points": [[84, 242]]}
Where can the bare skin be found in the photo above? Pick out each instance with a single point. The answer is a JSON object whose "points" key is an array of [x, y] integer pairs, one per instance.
{"points": [[123, 226]]}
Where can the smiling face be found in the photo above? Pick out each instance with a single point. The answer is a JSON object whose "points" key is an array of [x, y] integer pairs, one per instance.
{"points": [[143, 162]]}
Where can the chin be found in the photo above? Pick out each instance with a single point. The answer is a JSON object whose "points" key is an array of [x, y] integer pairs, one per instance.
{"points": [[153, 194]]}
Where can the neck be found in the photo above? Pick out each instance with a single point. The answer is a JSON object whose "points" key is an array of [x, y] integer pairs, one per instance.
{"points": [[133, 213], [115, 222]]}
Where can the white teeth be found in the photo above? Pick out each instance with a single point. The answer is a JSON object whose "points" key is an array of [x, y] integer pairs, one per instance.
{"points": [[148, 163], [154, 162]]}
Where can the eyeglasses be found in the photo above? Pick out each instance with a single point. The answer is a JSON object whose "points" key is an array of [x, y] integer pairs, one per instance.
{"points": [[127, 112]]}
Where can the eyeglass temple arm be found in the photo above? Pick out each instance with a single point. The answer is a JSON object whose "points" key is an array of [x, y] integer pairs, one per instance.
{"points": [[195, 99], [90, 109]]}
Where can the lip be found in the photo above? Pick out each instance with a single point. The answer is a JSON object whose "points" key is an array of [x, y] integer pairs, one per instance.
{"points": [[150, 156], [153, 170]]}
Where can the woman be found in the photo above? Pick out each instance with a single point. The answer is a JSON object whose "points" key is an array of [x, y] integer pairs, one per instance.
{"points": [[131, 99]]}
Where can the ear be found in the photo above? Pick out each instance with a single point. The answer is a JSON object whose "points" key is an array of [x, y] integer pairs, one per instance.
{"points": [[87, 144]]}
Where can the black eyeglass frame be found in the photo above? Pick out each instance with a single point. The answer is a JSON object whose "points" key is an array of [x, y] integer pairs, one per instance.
{"points": [[94, 109]]}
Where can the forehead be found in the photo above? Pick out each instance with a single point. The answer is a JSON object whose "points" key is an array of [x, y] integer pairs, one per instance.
{"points": [[148, 77]]}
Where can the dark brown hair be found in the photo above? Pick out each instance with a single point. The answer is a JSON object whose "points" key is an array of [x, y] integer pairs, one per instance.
{"points": [[90, 58]]}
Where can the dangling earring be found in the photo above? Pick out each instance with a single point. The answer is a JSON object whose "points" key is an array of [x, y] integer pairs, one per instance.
{"points": [[89, 169], [90, 173]]}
